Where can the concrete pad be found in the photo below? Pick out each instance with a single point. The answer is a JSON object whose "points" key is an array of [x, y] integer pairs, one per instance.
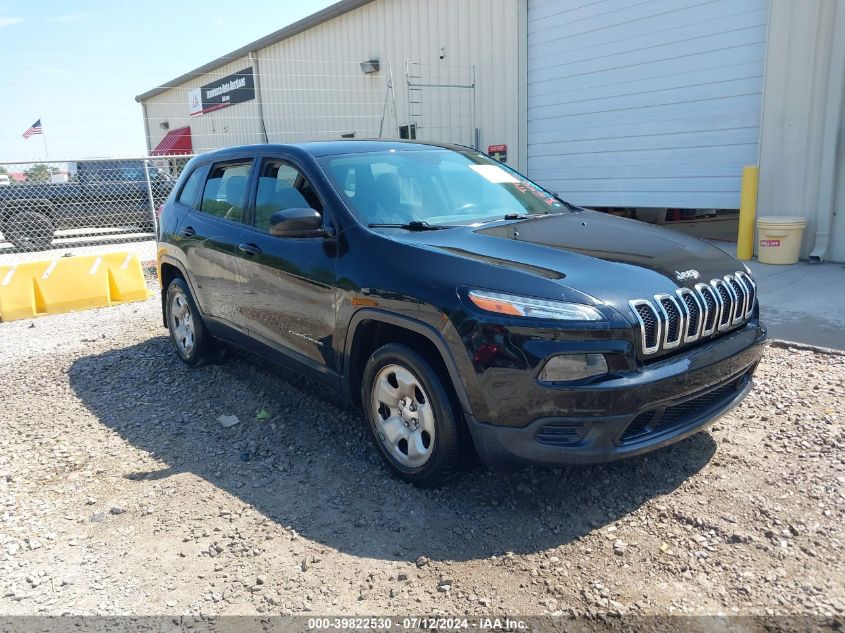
{"points": [[802, 302]]}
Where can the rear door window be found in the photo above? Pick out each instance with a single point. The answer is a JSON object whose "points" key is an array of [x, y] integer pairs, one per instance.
{"points": [[225, 191]]}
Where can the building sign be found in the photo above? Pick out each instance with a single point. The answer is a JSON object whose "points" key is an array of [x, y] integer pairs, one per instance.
{"points": [[224, 92], [499, 152]]}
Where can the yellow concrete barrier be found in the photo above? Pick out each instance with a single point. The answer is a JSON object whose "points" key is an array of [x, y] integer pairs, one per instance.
{"points": [[73, 283], [747, 212]]}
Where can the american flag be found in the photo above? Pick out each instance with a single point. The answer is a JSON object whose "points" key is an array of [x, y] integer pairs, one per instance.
{"points": [[35, 128]]}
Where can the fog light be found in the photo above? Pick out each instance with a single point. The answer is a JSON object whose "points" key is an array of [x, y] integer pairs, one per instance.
{"points": [[568, 367]]}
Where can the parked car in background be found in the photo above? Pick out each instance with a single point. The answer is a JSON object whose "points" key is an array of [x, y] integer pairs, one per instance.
{"points": [[4, 180], [460, 304], [100, 193]]}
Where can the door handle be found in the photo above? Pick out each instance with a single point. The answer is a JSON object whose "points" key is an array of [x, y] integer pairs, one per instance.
{"points": [[249, 249], [187, 231]]}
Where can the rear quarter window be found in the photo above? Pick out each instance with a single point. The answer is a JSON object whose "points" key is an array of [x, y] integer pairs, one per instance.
{"points": [[188, 194]]}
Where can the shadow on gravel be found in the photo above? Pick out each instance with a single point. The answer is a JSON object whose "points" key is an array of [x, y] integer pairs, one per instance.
{"points": [[312, 468]]}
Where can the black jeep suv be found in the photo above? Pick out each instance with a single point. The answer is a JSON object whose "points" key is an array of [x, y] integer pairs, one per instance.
{"points": [[460, 304]]}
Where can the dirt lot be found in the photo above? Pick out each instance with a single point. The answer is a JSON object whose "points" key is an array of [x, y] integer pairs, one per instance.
{"points": [[121, 493]]}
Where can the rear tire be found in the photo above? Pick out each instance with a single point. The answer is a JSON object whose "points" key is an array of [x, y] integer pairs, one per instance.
{"points": [[413, 420], [190, 339], [29, 230]]}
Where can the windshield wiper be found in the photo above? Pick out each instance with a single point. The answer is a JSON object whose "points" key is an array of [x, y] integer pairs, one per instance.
{"points": [[413, 225]]}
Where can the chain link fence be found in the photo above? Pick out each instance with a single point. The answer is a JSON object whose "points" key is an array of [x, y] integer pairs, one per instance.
{"points": [[53, 209], [50, 208]]}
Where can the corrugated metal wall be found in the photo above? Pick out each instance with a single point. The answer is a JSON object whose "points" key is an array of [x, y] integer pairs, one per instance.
{"points": [[646, 104], [793, 131], [312, 85], [236, 125]]}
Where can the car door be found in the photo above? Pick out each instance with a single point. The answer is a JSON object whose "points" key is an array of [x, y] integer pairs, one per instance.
{"points": [[209, 235], [289, 292]]}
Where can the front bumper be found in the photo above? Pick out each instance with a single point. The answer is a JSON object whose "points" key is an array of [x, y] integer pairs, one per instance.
{"points": [[661, 404]]}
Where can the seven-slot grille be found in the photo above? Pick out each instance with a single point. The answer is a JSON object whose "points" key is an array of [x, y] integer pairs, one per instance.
{"points": [[672, 320]]}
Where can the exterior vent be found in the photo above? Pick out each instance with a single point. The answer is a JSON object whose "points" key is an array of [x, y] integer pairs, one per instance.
{"points": [[741, 299], [693, 313], [673, 319], [649, 324], [712, 308], [751, 292], [728, 303], [561, 434]]}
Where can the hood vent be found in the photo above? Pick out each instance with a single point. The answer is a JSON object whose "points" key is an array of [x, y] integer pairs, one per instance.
{"points": [[668, 321]]}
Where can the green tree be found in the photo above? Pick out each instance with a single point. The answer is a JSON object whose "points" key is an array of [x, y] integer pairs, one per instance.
{"points": [[3, 171], [39, 172]]}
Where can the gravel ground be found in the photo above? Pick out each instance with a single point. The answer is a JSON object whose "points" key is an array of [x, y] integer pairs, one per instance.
{"points": [[121, 493]]}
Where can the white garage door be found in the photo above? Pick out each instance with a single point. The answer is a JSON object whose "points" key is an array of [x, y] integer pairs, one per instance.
{"points": [[645, 103]]}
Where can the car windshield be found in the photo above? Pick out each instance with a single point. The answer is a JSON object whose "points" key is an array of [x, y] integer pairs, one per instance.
{"points": [[436, 186]]}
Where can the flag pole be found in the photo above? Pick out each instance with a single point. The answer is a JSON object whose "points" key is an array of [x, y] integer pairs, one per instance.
{"points": [[44, 138]]}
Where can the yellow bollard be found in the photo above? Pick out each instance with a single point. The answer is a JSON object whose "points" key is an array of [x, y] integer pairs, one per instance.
{"points": [[747, 213]]}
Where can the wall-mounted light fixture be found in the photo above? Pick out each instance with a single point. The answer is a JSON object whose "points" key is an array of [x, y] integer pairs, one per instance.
{"points": [[164, 125], [370, 66]]}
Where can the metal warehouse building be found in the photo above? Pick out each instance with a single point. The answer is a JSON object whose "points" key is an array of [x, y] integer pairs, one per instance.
{"points": [[611, 103]]}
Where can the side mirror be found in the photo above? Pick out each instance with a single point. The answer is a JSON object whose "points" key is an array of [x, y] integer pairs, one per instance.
{"points": [[297, 223]]}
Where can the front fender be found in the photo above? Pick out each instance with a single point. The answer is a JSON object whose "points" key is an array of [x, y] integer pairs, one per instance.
{"points": [[409, 323]]}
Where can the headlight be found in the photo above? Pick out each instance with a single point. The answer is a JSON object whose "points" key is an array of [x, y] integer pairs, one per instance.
{"points": [[514, 305], [568, 367]]}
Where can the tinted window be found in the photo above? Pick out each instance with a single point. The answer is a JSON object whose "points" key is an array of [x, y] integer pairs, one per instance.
{"points": [[282, 186], [225, 191], [137, 173], [188, 195], [117, 171]]}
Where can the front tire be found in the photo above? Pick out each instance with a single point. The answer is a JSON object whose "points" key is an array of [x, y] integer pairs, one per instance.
{"points": [[190, 339], [413, 421]]}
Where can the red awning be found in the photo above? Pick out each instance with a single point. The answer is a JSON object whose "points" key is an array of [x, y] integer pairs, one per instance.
{"points": [[175, 142]]}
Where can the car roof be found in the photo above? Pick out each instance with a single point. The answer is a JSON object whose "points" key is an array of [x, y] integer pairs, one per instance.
{"points": [[331, 148]]}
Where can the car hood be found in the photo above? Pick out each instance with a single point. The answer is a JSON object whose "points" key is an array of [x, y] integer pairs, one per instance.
{"points": [[608, 258]]}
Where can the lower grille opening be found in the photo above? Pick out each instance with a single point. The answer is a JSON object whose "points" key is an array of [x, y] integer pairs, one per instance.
{"points": [[560, 434], [664, 419], [640, 425]]}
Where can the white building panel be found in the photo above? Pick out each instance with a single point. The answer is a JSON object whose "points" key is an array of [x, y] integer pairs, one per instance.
{"points": [[235, 125], [312, 85], [645, 103]]}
